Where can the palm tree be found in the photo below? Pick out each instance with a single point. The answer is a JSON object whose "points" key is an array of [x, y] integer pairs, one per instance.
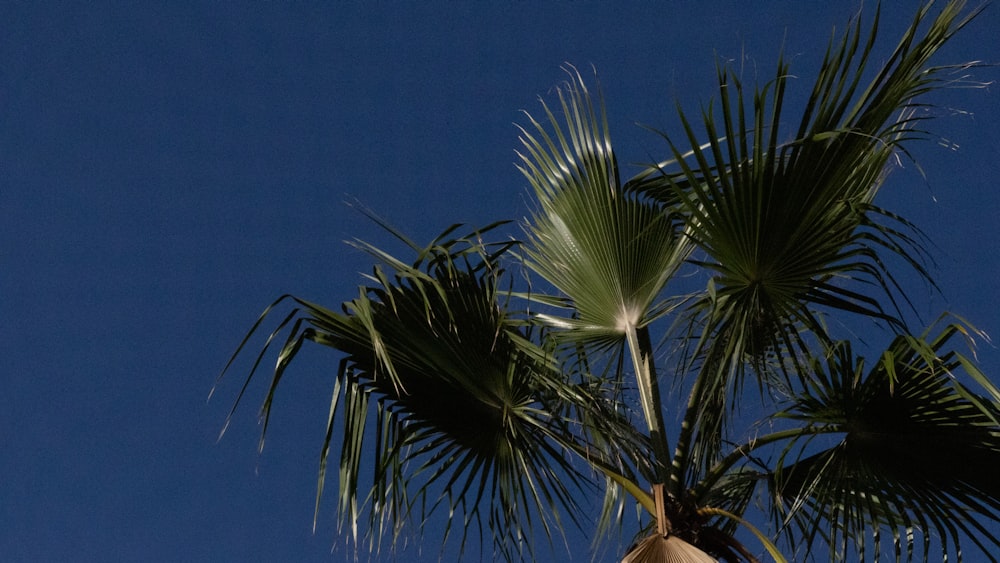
{"points": [[493, 382]]}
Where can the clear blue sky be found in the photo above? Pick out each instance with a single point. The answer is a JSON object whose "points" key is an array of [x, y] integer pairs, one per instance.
{"points": [[167, 170]]}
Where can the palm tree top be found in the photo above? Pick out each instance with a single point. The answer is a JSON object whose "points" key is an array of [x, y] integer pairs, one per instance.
{"points": [[495, 383]]}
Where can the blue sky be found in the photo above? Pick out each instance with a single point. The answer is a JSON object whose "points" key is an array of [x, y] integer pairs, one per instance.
{"points": [[167, 170]]}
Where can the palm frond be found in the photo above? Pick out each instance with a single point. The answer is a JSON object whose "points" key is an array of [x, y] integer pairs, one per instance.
{"points": [[786, 224], [918, 452], [465, 406], [609, 252]]}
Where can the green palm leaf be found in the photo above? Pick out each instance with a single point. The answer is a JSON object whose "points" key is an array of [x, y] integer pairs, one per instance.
{"points": [[461, 405], [786, 223], [609, 252], [919, 449]]}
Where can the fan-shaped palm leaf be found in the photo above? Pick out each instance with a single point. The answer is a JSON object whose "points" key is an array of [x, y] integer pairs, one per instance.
{"points": [[609, 252], [464, 406], [919, 449], [788, 227]]}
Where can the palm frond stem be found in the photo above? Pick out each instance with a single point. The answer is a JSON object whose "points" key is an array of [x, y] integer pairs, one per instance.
{"points": [[641, 351], [742, 451]]}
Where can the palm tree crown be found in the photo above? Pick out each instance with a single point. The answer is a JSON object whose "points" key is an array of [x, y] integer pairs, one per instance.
{"points": [[496, 400]]}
